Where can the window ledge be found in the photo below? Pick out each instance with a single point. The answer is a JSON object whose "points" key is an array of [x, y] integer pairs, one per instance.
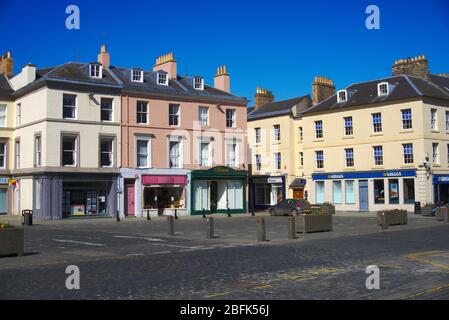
{"points": [[318, 140], [376, 134], [378, 167], [348, 137], [434, 131], [436, 165], [408, 166], [349, 169], [406, 131]]}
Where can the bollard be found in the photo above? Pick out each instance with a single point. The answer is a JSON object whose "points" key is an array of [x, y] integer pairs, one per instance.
{"points": [[229, 213], [210, 228], [291, 228], [384, 222], [204, 213], [176, 214], [252, 212], [446, 217], [170, 226], [118, 215], [261, 234], [148, 215]]}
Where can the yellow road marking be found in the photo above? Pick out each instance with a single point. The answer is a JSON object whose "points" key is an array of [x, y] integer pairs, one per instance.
{"points": [[262, 287], [418, 257], [213, 295], [432, 290]]}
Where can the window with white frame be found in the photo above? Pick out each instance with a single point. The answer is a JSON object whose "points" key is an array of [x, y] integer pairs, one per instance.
{"points": [[348, 126], [203, 116], [377, 122], [17, 154], [3, 155], [106, 152], [382, 89], [319, 158], [3, 115], [448, 153], [19, 114], [301, 159], [319, 129], [433, 119], [198, 83], [349, 157], [69, 106], [175, 154], [447, 120], [162, 79], [230, 118], [142, 112], [205, 154], [95, 70], [378, 155], [258, 134], [231, 154], [406, 116], [37, 151], [69, 151], [301, 134], [277, 161], [173, 116], [259, 162], [407, 152], [277, 132], [435, 153], [106, 109], [143, 152], [137, 75], [342, 96]]}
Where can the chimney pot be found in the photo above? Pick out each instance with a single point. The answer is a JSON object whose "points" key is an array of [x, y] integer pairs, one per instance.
{"points": [[262, 97], [416, 66], [104, 57], [322, 88]]}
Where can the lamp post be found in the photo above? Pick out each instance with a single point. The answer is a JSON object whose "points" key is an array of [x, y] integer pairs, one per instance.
{"points": [[119, 192]]}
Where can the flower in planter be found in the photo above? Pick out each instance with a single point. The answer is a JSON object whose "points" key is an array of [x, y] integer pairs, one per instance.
{"points": [[6, 226]]}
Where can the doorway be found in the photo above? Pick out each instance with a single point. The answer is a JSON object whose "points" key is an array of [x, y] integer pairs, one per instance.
{"points": [[130, 206], [363, 195], [298, 193]]}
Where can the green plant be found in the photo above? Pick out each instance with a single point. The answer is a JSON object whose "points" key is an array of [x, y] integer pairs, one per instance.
{"points": [[428, 205], [6, 226]]}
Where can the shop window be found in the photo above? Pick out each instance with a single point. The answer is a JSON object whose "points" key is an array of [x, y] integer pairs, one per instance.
{"points": [[3, 200], [263, 194], [2, 155], [409, 190], [379, 191], [393, 191], [37, 194], [163, 197], [234, 193], [106, 109], [69, 151], [319, 192], [349, 192], [336, 190], [201, 191], [276, 193]]}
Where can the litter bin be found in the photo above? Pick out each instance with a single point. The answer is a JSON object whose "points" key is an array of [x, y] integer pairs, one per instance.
{"points": [[27, 217], [417, 207]]}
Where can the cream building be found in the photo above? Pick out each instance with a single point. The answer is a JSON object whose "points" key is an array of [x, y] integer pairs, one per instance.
{"points": [[380, 144]]}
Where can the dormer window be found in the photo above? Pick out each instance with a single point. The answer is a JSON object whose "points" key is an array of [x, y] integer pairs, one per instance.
{"points": [[95, 71], [162, 79], [198, 83], [342, 96], [382, 89], [137, 75]]}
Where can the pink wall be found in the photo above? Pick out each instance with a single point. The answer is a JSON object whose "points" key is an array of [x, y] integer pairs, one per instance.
{"points": [[158, 127]]}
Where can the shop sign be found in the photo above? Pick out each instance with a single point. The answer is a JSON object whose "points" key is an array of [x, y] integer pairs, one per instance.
{"points": [[4, 180], [365, 175], [275, 180], [440, 179]]}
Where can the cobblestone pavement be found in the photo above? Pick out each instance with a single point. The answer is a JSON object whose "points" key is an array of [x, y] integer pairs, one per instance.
{"points": [[135, 259]]}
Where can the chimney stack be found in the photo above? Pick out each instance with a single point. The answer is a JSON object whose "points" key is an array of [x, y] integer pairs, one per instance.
{"points": [[166, 63], [446, 75], [104, 57], [222, 80], [322, 88], [7, 64], [417, 66], [262, 96]]}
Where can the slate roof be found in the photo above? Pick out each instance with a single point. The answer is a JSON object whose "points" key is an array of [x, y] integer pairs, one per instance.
{"points": [[280, 108], [400, 88], [5, 89]]}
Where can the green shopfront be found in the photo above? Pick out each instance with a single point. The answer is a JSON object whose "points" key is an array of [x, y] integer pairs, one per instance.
{"points": [[218, 190]]}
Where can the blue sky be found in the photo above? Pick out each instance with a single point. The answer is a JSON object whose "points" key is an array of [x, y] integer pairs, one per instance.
{"points": [[279, 45]]}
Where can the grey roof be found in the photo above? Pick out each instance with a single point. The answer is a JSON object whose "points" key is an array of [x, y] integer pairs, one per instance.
{"points": [[280, 108], [400, 88], [5, 89], [182, 86]]}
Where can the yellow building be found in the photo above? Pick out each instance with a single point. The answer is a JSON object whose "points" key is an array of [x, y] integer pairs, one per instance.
{"points": [[380, 144]]}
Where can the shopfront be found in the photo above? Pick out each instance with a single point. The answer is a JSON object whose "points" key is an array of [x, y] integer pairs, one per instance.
{"points": [[4, 196], [441, 187], [267, 191], [365, 191], [298, 186], [218, 190]]}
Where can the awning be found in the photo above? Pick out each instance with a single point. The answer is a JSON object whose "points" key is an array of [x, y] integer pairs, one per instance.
{"points": [[298, 183]]}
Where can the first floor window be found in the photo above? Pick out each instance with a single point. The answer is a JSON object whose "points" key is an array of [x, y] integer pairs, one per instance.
{"points": [[17, 154], [277, 161], [435, 153], [204, 116], [106, 152], [319, 157], [173, 118], [377, 122], [142, 112], [258, 162], [301, 134], [447, 120], [143, 153], [378, 155], [106, 109], [349, 192], [448, 153], [348, 126], [19, 114], [319, 192], [231, 154], [301, 159], [37, 150], [336, 192], [3, 122], [230, 118], [69, 106], [349, 155], [393, 191], [277, 132], [205, 154], [407, 149], [174, 154], [258, 135], [319, 129], [2, 155], [69, 151], [406, 119], [379, 191], [409, 190], [433, 119]]}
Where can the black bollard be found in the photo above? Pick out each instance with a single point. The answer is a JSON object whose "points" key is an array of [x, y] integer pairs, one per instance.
{"points": [[118, 215], [291, 228], [170, 226], [176, 214], [148, 214], [204, 213], [229, 213], [383, 221], [210, 228]]}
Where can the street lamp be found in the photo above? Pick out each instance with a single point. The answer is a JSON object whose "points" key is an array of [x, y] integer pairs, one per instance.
{"points": [[119, 192]]}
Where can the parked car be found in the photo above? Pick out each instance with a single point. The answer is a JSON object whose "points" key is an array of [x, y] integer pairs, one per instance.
{"points": [[288, 207]]}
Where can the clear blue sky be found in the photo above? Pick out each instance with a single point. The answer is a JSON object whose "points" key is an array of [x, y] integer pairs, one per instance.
{"points": [[280, 45]]}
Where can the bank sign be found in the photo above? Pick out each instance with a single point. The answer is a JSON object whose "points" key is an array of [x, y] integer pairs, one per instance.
{"points": [[441, 179], [365, 175]]}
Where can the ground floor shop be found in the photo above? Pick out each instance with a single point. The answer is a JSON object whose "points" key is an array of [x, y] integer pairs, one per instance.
{"points": [[266, 191], [366, 191], [218, 190], [298, 188], [441, 187], [6, 196]]}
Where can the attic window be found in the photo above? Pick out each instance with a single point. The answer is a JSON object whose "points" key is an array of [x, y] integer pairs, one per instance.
{"points": [[162, 79], [95, 71], [382, 89], [137, 75], [342, 96], [198, 83]]}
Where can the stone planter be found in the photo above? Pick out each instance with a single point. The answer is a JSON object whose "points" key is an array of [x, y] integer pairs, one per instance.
{"points": [[11, 242], [307, 223], [426, 211], [393, 217], [442, 214], [327, 209]]}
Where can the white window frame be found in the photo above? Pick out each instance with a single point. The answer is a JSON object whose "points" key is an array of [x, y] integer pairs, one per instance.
{"points": [[233, 118], [200, 119], [37, 150], [380, 91], [3, 153], [209, 153], [181, 152], [405, 121], [275, 162], [317, 160], [74, 107], [111, 110], [434, 119], [348, 159], [94, 73], [198, 83], [410, 155], [5, 116], [19, 114], [435, 153], [348, 128], [374, 124], [141, 112], [76, 150], [277, 132], [447, 120], [301, 159], [112, 140], [162, 79], [301, 134], [258, 162], [321, 130], [149, 152], [17, 154], [340, 98], [236, 157], [137, 75], [258, 135], [177, 114], [382, 155]]}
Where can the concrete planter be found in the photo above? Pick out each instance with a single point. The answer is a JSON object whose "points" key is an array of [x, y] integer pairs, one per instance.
{"points": [[426, 211], [307, 223], [393, 217], [327, 209], [442, 214], [11, 242]]}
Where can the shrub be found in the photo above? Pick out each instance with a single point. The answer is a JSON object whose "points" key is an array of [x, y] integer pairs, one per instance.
{"points": [[6, 226]]}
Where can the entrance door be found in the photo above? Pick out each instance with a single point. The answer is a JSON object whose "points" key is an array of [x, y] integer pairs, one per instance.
{"points": [[3, 200], [213, 197], [363, 195], [298, 193], [129, 202]]}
